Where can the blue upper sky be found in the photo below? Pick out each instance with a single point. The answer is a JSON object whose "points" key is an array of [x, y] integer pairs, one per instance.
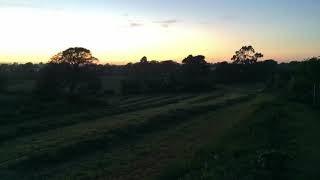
{"points": [[205, 9], [284, 29]]}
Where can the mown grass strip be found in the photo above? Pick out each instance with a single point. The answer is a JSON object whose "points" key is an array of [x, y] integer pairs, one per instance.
{"points": [[260, 148], [206, 98], [115, 137], [38, 126], [77, 132]]}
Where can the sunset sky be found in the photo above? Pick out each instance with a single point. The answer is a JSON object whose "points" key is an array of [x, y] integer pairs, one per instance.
{"points": [[121, 31]]}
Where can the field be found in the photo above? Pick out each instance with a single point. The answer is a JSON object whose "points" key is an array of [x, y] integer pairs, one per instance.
{"points": [[230, 133]]}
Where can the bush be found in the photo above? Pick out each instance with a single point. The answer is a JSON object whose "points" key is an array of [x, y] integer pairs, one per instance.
{"points": [[3, 82], [300, 89], [64, 80]]}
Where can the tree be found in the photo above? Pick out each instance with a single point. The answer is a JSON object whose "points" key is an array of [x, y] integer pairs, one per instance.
{"points": [[311, 69], [195, 66], [195, 71], [144, 60], [302, 80], [246, 55], [194, 60], [70, 73], [28, 67], [150, 76], [74, 56], [3, 82]]}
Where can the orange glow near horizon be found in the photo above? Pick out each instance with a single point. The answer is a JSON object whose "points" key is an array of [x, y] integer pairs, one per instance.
{"points": [[34, 35]]}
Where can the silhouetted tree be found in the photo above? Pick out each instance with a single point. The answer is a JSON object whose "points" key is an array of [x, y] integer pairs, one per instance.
{"points": [[195, 71], [3, 82], [305, 83], [28, 67], [144, 60], [262, 71], [197, 64], [70, 73], [246, 55], [311, 69], [74, 56], [150, 76]]}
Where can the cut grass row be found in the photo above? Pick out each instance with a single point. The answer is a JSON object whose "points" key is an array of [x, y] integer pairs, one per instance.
{"points": [[81, 130], [266, 146], [183, 142], [17, 108], [109, 139], [137, 159], [45, 124]]}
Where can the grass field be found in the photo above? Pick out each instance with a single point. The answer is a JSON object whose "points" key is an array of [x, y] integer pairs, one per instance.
{"points": [[230, 133]]}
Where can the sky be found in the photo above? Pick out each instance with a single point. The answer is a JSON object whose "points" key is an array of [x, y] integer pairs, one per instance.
{"points": [[122, 31]]}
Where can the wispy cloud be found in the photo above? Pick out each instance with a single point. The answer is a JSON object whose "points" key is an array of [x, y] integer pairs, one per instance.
{"points": [[133, 24], [229, 18], [203, 22], [7, 3], [166, 23], [31, 4]]}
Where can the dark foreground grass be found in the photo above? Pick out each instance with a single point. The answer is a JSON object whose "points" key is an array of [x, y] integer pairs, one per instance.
{"points": [[271, 144], [38, 125], [54, 156]]}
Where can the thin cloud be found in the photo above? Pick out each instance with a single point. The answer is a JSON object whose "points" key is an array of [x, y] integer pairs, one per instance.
{"points": [[229, 18], [166, 23], [136, 24], [203, 22], [11, 3], [27, 5], [171, 21]]}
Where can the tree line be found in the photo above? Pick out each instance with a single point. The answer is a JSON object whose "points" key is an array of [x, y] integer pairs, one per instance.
{"points": [[75, 73]]}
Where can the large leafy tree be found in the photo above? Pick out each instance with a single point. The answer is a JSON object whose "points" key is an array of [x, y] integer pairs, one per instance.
{"points": [[3, 81], [246, 55], [195, 71], [195, 66], [74, 56], [305, 83], [311, 69], [200, 60], [70, 72]]}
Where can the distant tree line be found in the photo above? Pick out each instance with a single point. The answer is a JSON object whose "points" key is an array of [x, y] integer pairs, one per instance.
{"points": [[304, 84], [3, 81], [75, 72], [196, 74], [167, 76]]}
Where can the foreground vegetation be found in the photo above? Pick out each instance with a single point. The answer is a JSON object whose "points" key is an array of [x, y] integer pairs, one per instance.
{"points": [[276, 141], [160, 120], [229, 133]]}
